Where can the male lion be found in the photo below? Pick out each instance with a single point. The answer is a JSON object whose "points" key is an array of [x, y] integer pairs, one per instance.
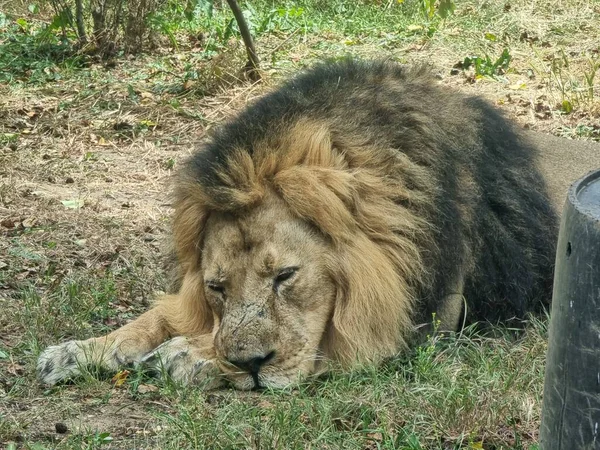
{"points": [[330, 219]]}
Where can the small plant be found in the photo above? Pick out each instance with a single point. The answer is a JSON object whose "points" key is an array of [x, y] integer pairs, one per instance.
{"points": [[574, 92], [443, 8], [33, 51], [485, 66], [590, 75], [99, 439]]}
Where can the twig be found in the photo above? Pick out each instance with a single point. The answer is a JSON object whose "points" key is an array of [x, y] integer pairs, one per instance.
{"points": [[253, 61]]}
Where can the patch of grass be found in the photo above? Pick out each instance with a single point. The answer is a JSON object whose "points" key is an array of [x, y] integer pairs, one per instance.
{"points": [[486, 66], [576, 89], [452, 392], [28, 53], [587, 132]]}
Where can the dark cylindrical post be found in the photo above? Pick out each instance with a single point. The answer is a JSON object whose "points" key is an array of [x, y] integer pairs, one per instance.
{"points": [[571, 408]]}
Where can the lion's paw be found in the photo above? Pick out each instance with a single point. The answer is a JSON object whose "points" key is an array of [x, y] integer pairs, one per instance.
{"points": [[60, 362], [184, 363], [70, 359]]}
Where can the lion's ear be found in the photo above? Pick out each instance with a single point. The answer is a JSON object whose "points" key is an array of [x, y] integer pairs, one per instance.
{"points": [[371, 318]]}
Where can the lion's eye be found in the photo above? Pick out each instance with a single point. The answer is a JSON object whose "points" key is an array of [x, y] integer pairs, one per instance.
{"points": [[284, 275], [216, 287]]}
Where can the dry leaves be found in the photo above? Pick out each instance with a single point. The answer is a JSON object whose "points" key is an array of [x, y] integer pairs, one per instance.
{"points": [[119, 379]]}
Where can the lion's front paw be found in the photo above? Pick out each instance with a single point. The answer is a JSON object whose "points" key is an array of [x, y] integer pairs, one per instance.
{"points": [[70, 359], [60, 362], [184, 363]]}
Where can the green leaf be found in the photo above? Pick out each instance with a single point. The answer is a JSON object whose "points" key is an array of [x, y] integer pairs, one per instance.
{"points": [[446, 8], [428, 7], [22, 23], [491, 37], [132, 94], [567, 106], [3, 354], [190, 9], [503, 61], [61, 20], [8, 137], [33, 8]]}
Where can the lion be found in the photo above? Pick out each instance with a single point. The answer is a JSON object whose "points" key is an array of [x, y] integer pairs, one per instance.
{"points": [[329, 222]]}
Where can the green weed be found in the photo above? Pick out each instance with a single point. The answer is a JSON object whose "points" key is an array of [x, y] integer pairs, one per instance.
{"points": [[486, 66]]}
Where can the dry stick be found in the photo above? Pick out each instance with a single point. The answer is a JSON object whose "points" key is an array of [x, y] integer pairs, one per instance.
{"points": [[253, 61]]}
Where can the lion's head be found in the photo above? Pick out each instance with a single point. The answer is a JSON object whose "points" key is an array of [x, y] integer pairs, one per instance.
{"points": [[268, 281], [297, 251]]}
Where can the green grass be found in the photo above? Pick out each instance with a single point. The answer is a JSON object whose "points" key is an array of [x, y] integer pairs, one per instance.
{"points": [[451, 392]]}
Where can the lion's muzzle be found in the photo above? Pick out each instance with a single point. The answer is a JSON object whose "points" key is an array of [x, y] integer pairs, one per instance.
{"points": [[253, 365]]}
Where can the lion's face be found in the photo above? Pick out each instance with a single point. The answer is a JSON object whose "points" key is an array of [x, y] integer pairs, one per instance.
{"points": [[267, 282]]}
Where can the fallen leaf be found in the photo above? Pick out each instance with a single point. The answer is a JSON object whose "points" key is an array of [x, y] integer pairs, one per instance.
{"points": [[15, 369], [517, 86], [414, 27], [265, 404], [73, 204], [120, 377], [146, 388], [378, 437], [102, 141], [29, 223]]}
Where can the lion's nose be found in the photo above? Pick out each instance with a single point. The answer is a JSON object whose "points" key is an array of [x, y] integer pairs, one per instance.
{"points": [[254, 363]]}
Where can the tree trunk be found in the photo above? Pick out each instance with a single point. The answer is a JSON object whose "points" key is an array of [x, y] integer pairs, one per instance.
{"points": [[79, 22], [253, 61]]}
